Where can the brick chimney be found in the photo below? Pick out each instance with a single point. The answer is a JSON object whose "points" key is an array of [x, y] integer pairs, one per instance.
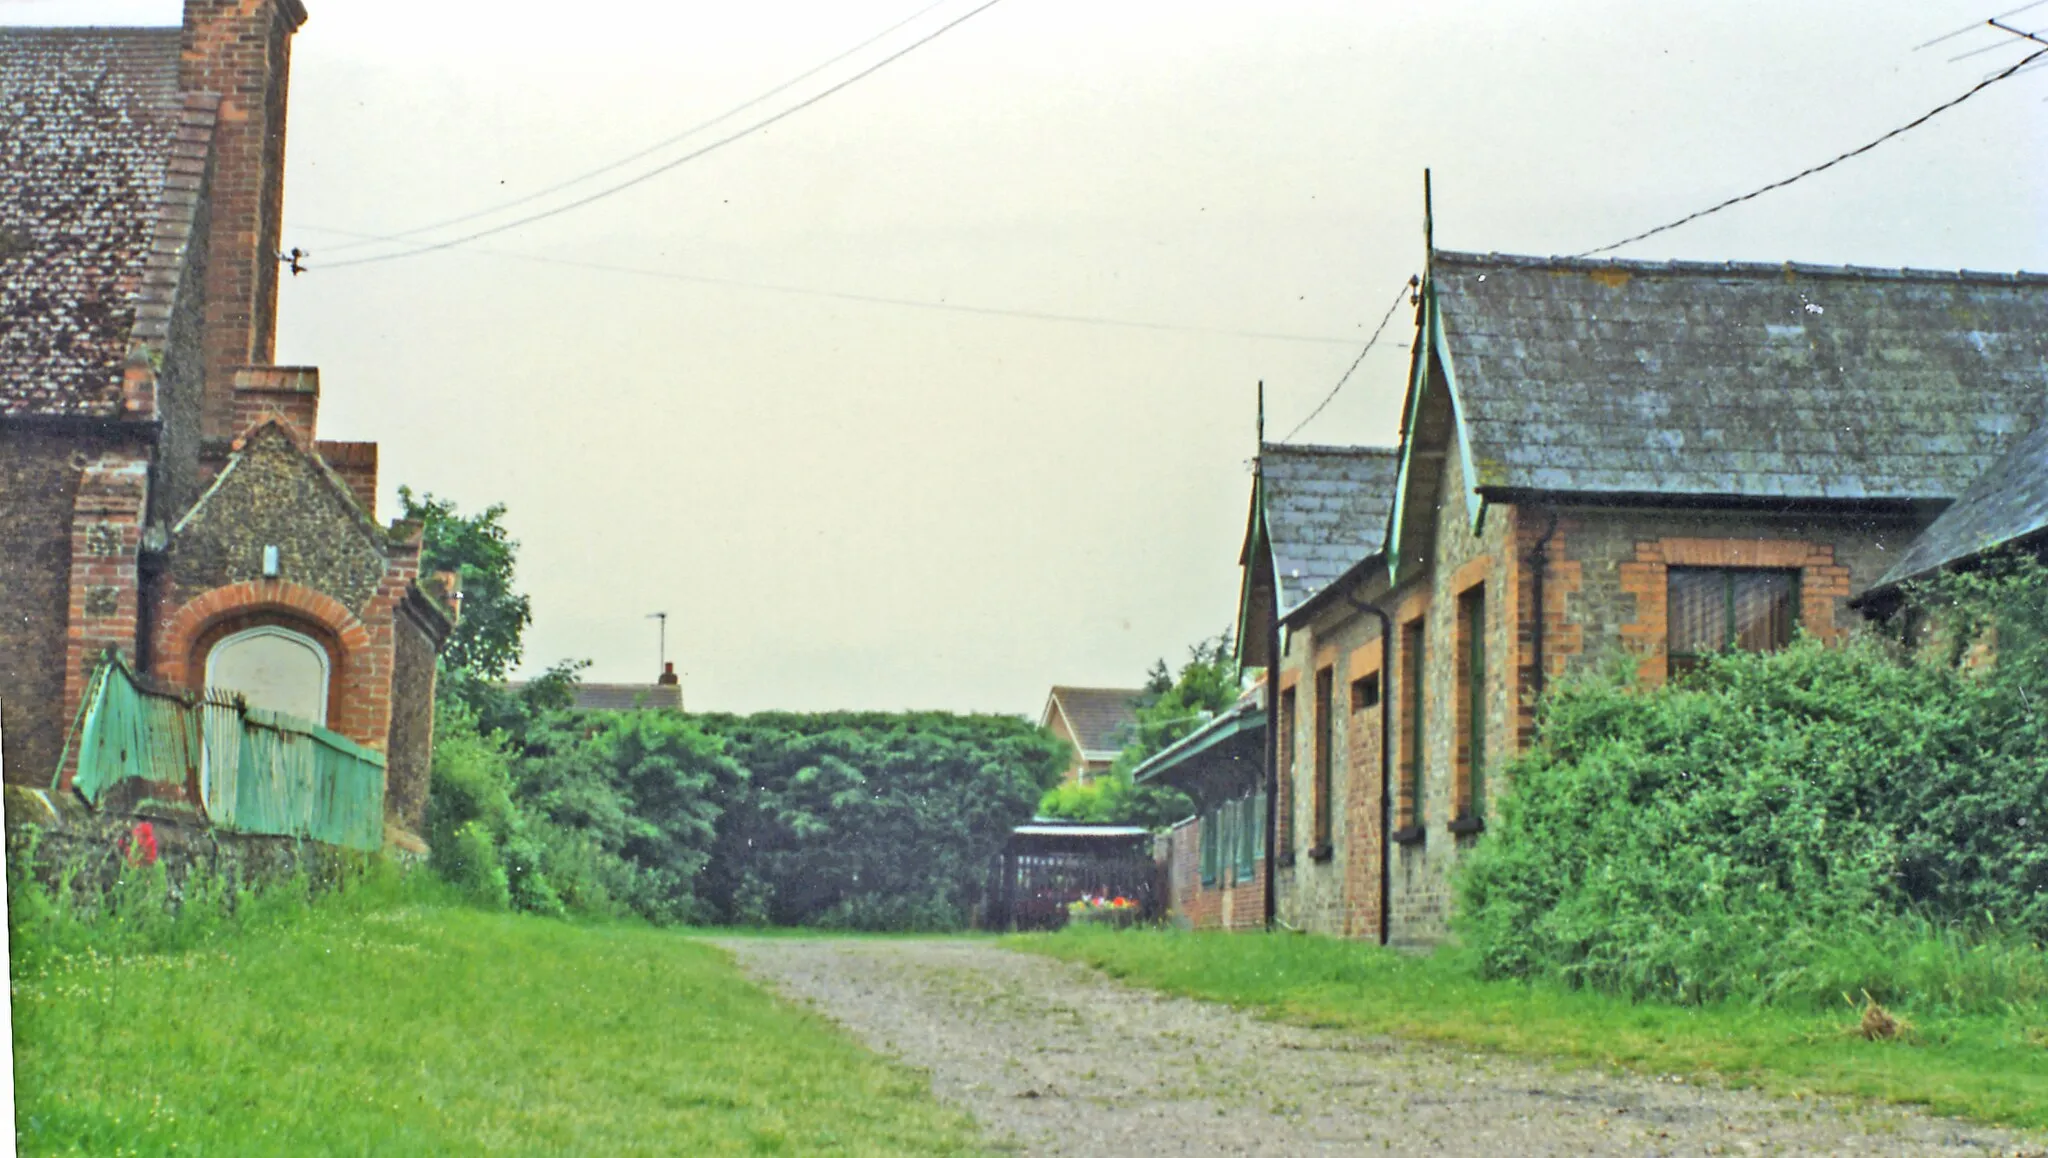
{"points": [[668, 675], [290, 394], [241, 50]]}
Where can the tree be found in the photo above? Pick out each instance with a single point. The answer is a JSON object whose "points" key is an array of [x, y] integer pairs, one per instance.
{"points": [[486, 641]]}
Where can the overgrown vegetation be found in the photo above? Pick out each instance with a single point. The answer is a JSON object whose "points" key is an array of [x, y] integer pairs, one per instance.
{"points": [[1791, 828], [841, 819], [1170, 708]]}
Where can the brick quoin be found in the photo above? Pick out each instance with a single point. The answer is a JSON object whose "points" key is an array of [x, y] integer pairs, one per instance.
{"points": [[106, 542]]}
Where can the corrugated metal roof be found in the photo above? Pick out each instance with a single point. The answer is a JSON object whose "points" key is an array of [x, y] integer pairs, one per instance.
{"points": [[91, 117], [1772, 381], [2007, 503], [1326, 509]]}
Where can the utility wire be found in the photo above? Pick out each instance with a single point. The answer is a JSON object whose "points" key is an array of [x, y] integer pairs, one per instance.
{"points": [[1976, 24], [685, 158], [878, 299], [1369, 343], [1909, 126], [692, 131]]}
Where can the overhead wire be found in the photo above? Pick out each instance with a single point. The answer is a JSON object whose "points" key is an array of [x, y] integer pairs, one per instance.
{"points": [[682, 160], [657, 147], [1830, 163], [1406, 286], [880, 299], [1976, 24]]}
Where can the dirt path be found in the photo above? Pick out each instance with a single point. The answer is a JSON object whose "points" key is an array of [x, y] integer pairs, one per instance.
{"points": [[1055, 1059]]}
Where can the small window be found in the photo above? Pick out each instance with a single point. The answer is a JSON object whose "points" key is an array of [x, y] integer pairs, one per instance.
{"points": [[1365, 693], [1713, 609]]}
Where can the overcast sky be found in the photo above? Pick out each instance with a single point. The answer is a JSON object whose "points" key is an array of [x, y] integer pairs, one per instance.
{"points": [[845, 502]]}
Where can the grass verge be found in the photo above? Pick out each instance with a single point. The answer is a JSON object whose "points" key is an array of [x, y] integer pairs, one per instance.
{"points": [[433, 1028], [1993, 1068]]}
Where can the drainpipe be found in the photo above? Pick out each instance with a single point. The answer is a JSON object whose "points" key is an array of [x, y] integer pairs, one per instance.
{"points": [[1273, 755], [1386, 750], [1539, 563]]}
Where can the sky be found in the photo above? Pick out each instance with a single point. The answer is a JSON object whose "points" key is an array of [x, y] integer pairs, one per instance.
{"points": [[786, 393]]}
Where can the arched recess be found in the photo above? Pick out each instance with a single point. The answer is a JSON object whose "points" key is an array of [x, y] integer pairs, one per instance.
{"points": [[273, 666], [190, 634]]}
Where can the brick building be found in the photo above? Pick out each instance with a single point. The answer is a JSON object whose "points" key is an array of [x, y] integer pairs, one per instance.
{"points": [[164, 494], [1608, 459], [1095, 722]]}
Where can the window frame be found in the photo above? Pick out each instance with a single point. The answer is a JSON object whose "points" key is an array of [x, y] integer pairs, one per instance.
{"points": [[1470, 707], [1322, 818], [1680, 663], [1413, 732]]}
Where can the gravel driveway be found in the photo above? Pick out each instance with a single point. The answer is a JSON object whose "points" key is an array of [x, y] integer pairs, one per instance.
{"points": [[1055, 1059]]}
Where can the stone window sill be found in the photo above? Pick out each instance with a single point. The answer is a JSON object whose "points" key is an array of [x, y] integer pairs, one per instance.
{"points": [[1468, 824], [1408, 834], [1321, 852]]}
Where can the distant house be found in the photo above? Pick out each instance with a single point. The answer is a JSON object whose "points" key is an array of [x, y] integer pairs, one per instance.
{"points": [[1096, 722], [165, 498], [1599, 459], [664, 694]]}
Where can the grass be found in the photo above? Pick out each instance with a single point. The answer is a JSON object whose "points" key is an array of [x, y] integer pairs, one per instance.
{"points": [[1990, 1067], [428, 1027]]}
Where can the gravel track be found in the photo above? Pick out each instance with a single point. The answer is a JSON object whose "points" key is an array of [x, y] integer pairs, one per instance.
{"points": [[1056, 1059]]}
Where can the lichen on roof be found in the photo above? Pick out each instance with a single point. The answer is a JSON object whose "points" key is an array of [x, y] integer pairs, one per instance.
{"points": [[88, 118], [1747, 380], [1325, 509]]}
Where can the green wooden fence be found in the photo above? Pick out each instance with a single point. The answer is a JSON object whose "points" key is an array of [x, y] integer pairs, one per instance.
{"points": [[246, 769]]}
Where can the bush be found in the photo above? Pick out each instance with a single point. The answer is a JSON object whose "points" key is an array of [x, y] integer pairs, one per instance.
{"points": [[1786, 827]]}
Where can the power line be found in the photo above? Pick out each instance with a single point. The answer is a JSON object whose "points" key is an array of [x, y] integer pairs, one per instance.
{"points": [[1369, 342], [1976, 24], [879, 299], [685, 158], [659, 145], [1909, 126]]}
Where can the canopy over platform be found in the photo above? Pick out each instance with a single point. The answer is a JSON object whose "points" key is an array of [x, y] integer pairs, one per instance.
{"points": [[1221, 760]]}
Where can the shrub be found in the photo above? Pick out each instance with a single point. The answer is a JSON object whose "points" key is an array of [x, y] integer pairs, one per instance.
{"points": [[1786, 827]]}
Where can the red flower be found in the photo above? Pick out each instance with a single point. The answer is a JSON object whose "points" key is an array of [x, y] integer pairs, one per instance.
{"points": [[139, 846]]}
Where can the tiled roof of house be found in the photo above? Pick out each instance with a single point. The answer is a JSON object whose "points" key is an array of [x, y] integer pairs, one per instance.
{"points": [[2009, 502], [90, 120], [1100, 717], [626, 697], [1773, 381], [1326, 509]]}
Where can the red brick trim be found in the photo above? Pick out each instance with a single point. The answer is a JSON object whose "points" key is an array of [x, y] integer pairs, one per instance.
{"points": [[360, 685], [1822, 586]]}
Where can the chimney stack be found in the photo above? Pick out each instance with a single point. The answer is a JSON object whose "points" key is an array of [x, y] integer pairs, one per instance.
{"points": [[241, 51], [668, 675]]}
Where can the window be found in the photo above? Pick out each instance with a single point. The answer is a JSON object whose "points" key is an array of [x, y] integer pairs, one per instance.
{"points": [[1714, 609], [1411, 723], [1471, 707], [1286, 775], [1248, 841], [1365, 693], [1326, 741]]}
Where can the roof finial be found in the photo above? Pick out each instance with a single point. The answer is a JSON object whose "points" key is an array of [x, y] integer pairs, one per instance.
{"points": [[1262, 414], [1428, 221]]}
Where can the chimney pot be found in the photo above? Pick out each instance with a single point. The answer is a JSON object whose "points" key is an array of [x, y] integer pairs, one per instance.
{"points": [[668, 674]]}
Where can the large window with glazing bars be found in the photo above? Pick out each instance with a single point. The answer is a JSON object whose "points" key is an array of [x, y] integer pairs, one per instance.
{"points": [[1471, 709], [1712, 609], [1410, 692], [1326, 743]]}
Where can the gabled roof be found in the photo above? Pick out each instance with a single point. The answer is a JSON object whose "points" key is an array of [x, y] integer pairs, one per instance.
{"points": [[91, 122], [1742, 380], [626, 697], [2007, 504], [1100, 718], [1323, 509]]}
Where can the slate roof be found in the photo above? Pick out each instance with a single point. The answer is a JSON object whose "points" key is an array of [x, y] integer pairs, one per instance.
{"points": [[1746, 380], [627, 697], [88, 122], [1100, 717], [1326, 509], [2009, 502]]}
